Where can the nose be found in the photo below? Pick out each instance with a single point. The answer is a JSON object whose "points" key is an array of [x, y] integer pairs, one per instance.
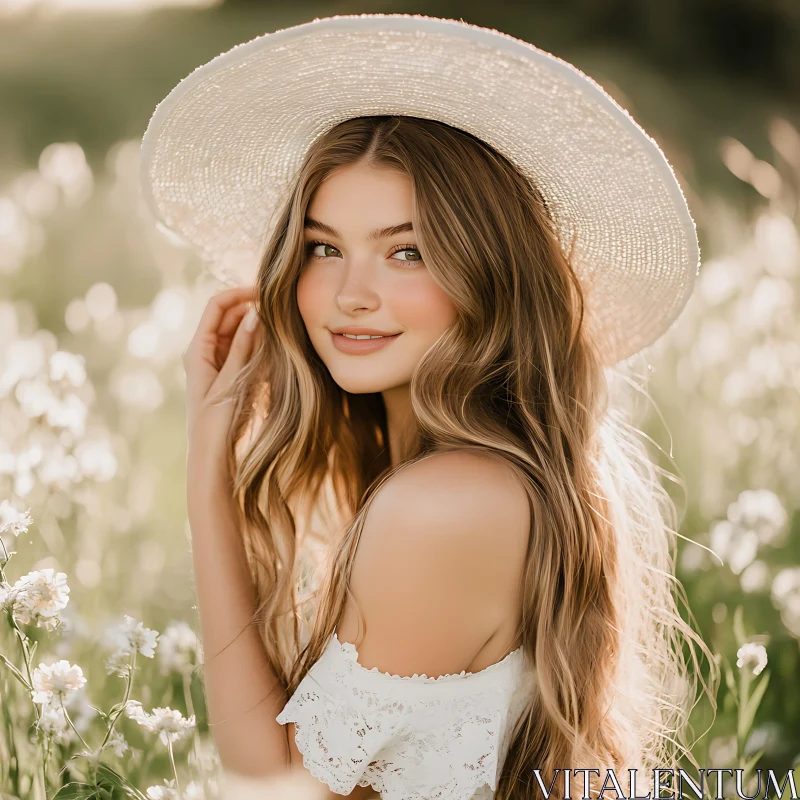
{"points": [[357, 292]]}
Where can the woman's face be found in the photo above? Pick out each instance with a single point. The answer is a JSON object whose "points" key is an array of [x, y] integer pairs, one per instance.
{"points": [[357, 275]]}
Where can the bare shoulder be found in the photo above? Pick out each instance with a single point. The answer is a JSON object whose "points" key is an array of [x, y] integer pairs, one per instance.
{"points": [[480, 490], [439, 563]]}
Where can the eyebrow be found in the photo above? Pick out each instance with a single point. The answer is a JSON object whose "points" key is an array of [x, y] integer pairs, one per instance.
{"points": [[380, 233]]}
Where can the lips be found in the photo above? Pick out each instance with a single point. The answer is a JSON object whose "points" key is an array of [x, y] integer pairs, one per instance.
{"points": [[357, 346]]}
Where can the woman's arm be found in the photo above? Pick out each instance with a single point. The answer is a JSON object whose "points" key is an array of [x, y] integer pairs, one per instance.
{"points": [[242, 694]]}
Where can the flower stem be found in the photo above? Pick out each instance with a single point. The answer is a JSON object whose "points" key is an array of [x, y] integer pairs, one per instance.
{"points": [[741, 734], [6, 559], [187, 692], [69, 721], [187, 695], [44, 766], [15, 672], [26, 657], [174, 769], [128, 686]]}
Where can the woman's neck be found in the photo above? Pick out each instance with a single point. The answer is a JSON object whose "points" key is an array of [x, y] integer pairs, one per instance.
{"points": [[400, 421]]}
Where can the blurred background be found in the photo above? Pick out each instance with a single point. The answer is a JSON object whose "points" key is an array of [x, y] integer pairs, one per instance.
{"points": [[93, 442]]}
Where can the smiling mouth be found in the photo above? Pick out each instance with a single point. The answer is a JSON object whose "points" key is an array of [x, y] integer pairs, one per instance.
{"points": [[360, 337], [356, 345]]}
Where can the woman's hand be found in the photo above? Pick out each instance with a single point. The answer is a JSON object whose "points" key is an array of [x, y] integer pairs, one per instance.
{"points": [[217, 352]]}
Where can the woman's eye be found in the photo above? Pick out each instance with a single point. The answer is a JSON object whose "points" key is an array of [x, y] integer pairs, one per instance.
{"points": [[325, 248], [416, 258]]}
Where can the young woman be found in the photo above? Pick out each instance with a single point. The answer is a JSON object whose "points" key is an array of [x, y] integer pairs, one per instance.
{"points": [[437, 563]]}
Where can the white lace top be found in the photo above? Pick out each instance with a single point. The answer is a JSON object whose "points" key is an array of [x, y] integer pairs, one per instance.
{"points": [[410, 738]]}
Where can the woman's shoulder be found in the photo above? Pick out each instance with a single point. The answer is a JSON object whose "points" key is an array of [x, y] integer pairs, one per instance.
{"points": [[438, 564], [458, 484]]}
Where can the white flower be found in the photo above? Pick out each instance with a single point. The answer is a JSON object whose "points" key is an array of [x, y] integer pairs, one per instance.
{"points": [[177, 648], [194, 791], [786, 597], [56, 680], [168, 723], [37, 598], [128, 637], [35, 397], [69, 413], [14, 520], [734, 545], [134, 710], [165, 792], [755, 578], [117, 744], [54, 725], [751, 657], [760, 511], [69, 367]]}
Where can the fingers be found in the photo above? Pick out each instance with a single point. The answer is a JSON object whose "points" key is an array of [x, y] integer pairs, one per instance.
{"points": [[241, 347], [231, 319], [227, 329], [220, 303], [220, 317]]}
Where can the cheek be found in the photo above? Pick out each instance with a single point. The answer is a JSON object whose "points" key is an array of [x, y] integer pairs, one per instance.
{"points": [[310, 297], [422, 305]]}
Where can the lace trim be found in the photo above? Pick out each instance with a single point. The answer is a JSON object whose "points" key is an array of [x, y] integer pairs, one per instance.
{"points": [[348, 650], [469, 776], [336, 742], [406, 744], [456, 761]]}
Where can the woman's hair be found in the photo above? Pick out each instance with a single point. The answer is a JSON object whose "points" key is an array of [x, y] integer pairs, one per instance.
{"points": [[517, 376]]}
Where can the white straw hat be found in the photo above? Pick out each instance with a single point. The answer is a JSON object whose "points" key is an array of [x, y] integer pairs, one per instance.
{"points": [[222, 148]]}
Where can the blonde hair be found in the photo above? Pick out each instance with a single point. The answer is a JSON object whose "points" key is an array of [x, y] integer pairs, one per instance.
{"points": [[517, 376]]}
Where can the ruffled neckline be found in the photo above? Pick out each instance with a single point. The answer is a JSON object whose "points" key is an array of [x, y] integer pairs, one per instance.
{"points": [[349, 652]]}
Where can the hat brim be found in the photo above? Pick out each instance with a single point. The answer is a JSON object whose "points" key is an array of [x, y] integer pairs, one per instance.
{"points": [[222, 148]]}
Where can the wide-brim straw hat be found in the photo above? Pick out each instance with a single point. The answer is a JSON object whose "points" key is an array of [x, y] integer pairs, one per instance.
{"points": [[222, 148]]}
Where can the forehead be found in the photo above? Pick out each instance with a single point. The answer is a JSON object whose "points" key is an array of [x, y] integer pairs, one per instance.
{"points": [[361, 198]]}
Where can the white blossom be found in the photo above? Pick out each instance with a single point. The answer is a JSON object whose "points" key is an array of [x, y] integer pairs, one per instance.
{"points": [[736, 546], [54, 724], [56, 681], [755, 578], [165, 792], [117, 744], [35, 397], [14, 520], [69, 367], [760, 511], [168, 723], [70, 413], [786, 597], [751, 657], [37, 598], [128, 637], [178, 647], [168, 791]]}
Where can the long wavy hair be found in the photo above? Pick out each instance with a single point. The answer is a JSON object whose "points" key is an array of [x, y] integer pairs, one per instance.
{"points": [[518, 375]]}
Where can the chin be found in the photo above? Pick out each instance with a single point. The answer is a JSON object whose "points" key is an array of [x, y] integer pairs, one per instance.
{"points": [[366, 382], [367, 386]]}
